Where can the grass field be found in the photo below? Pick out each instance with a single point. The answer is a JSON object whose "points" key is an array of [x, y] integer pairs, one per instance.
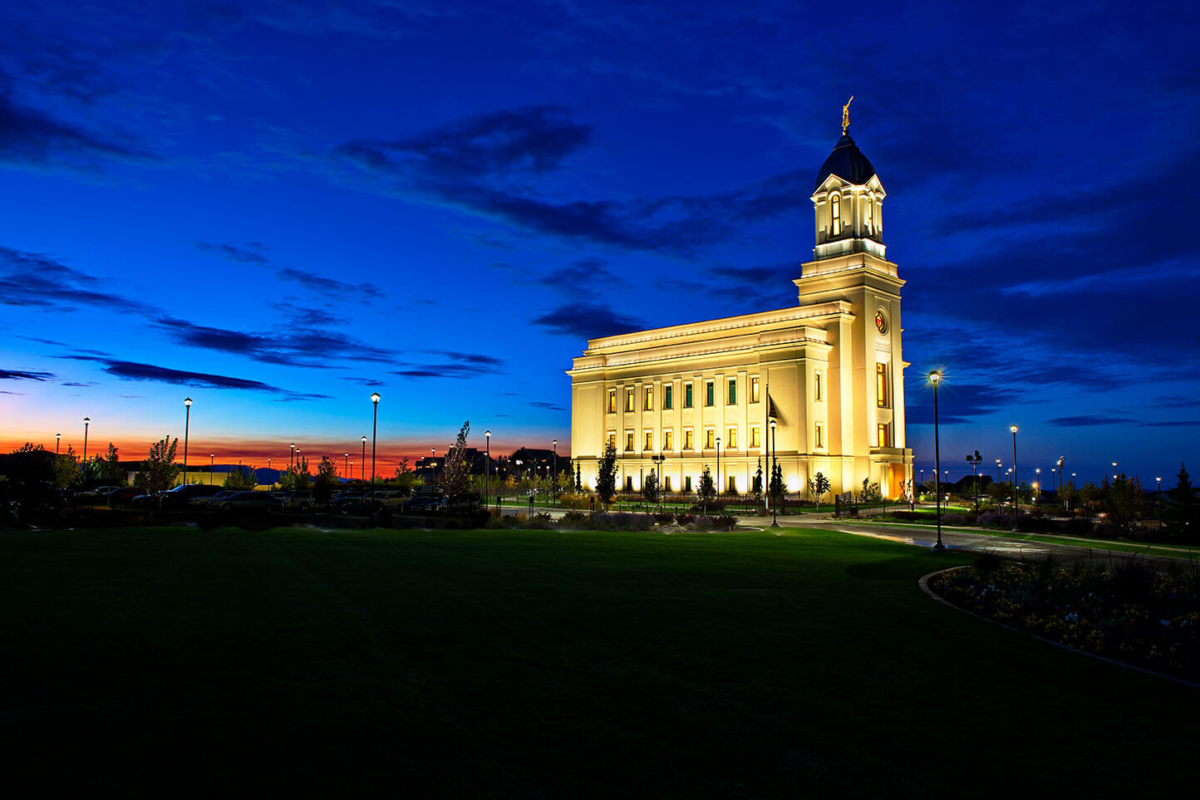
{"points": [[541, 664]]}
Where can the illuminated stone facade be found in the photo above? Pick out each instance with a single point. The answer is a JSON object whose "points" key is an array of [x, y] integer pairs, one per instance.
{"points": [[832, 365]]}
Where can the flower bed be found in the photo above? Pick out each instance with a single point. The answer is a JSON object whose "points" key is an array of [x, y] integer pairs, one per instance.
{"points": [[1129, 612]]}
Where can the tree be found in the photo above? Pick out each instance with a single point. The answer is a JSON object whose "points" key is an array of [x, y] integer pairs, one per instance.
{"points": [[327, 480], [295, 476], [242, 479], [1124, 501], [707, 489], [819, 486], [1183, 493], [32, 469], [650, 491], [111, 471], [1069, 494], [1088, 493], [456, 472], [757, 484], [777, 487], [66, 468], [405, 477], [158, 470], [578, 479], [870, 491], [606, 480]]}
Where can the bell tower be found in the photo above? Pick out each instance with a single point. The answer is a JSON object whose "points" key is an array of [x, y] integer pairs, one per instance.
{"points": [[866, 369]]}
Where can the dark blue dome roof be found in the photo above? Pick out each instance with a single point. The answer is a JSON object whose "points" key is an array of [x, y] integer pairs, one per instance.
{"points": [[847, 162]]}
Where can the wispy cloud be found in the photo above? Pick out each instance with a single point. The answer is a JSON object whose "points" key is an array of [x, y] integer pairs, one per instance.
{"points": [[134, 371], [41, 281], [252, 253], [1088, 420], [306, 347], [29, 136], [20, 375], [587, 321], [478, 165], [458, 365]]}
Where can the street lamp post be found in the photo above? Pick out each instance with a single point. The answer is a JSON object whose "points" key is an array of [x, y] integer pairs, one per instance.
{"points": [[346, 465], [362, 462], [487, 467], [1016, 502], [555, 478], [1037, 481], [433, 462], [774, 467], [1159, 481], [210, 468], [57, 439], [1114, 471], [87, 420], [718, 466], [187, 421], [292, 455], [935, 378], [374, 431]]}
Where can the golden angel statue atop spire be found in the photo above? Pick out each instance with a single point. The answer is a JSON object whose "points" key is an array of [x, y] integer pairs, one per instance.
{"points": [[846, 115]]}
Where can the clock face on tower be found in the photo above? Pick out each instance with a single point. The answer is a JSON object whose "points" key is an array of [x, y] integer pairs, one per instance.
{"points": [[880, 322]]}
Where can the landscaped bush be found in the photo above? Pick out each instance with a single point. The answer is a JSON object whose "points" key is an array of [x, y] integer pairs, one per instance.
{"points": [[725, 522], [955, 519], [664, 519], [1127, 612], [578, 501], [574, 519], [994, 519], [684, 519], [540, 522], [910, 516], [703, 522]]}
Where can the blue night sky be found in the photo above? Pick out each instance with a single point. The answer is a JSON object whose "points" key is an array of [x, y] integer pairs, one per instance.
{"points": [[279, 207]]}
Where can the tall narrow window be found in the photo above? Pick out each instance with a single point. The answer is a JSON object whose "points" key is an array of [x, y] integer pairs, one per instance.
{"points": [[629, 399], [754, 390], [731, 439], [687, 483], [881, 385], [870, 215], [817, 388], [819, 436], [612, 440], [666, 483], [884, 439], [648, 441], [668, 442], [709, 393], [687, 396], [612, 401], [688, 442], [668, 397], [755, 437], [649, 398], [732, 392], [628, 441], [835, 214], [709, 439], [732, 487], [629, 483]]}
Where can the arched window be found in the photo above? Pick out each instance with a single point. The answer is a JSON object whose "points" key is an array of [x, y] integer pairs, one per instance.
{"points": [[835, 214]]}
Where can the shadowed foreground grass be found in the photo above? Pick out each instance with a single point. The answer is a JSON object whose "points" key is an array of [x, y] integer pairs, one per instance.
{"points": [[544, 664]]}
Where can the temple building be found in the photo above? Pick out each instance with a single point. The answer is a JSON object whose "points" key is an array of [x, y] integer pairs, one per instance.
{"points": [[829, 371]]}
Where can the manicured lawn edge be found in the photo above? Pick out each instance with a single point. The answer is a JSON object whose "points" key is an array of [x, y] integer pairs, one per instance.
{"points": [[923, 582]]}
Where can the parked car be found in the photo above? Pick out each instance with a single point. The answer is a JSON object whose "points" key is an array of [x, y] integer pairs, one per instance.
{"points": [[424, 504], [203, 500], [124, 495], [178, 497], [93, 496], [298, 500], [246, 501]]}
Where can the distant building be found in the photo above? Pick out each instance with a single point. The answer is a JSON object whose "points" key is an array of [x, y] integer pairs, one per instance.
{"points": [[829, 370]]}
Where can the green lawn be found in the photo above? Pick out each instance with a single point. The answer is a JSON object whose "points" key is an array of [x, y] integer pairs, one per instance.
{"points": [[413, 663]]}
